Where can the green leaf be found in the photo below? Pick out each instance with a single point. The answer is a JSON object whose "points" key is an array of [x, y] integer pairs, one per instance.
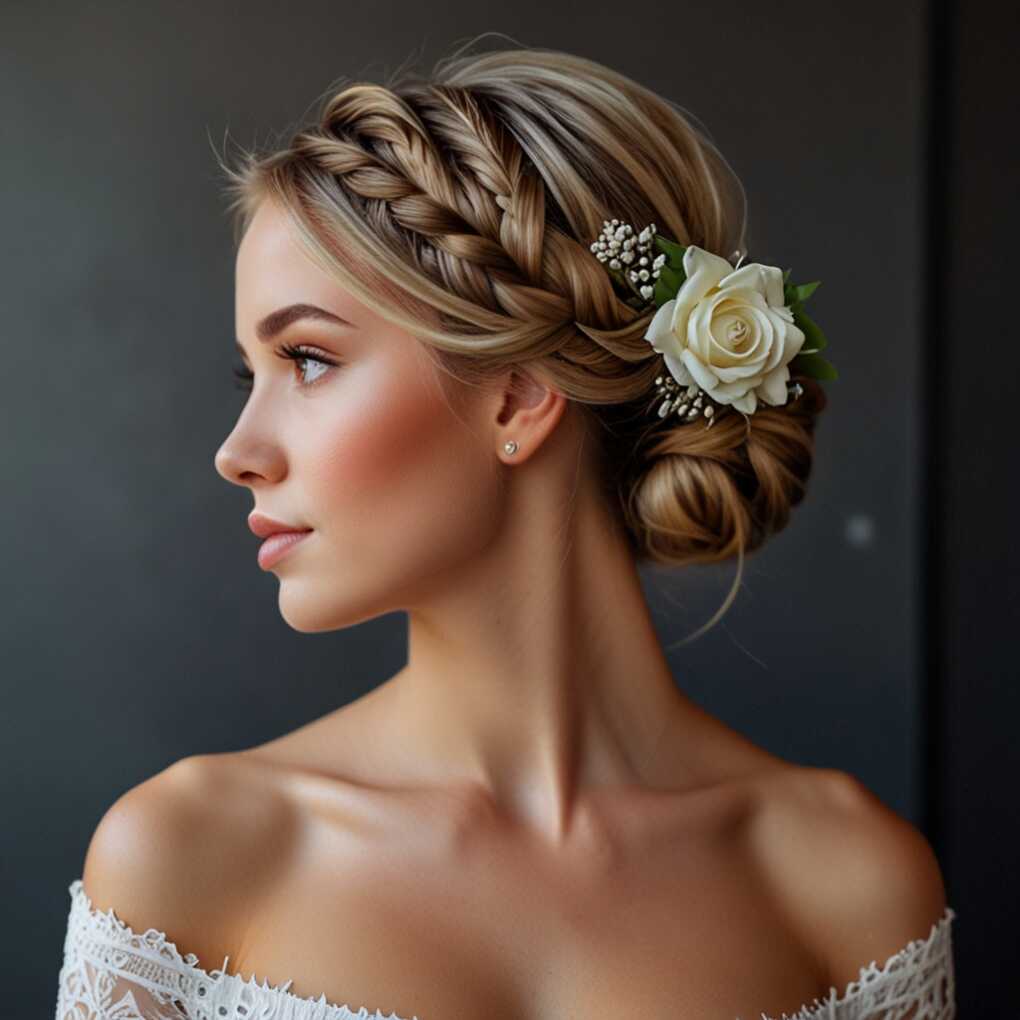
{"points": [[814, 366], [674, 252], [805, 290], [672, 279], [813, 335], [662, 292]]}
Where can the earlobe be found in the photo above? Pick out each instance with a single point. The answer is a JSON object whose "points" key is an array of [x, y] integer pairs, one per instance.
{"points": [[532, 406]]}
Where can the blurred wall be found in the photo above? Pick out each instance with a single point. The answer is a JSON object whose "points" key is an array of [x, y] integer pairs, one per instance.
{"points": [[972, 584]]}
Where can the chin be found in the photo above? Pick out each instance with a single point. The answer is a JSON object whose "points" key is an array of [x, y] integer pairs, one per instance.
{"points": [[311, 611]]}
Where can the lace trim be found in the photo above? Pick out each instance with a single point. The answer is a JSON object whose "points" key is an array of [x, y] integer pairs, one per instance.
{"points": [[150, 961], [918, 977]]}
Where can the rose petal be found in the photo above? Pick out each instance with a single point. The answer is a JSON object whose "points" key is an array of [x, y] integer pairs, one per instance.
{"points": [[727, 392], [719, 331], [792, 339], [777, 331], [753, 362], [767, 338], [773, 387], [748, 403], [701, 265], [704, 270], [677, 369], [745, 296], [766, 280], [752, 308], [748, 277], [774, 286], [699, 338], [793, 342], [659, 334], [702, 373], [752, 333]]}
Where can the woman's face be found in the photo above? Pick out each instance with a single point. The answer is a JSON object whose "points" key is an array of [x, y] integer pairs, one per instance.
{"points": [[361, 446]]}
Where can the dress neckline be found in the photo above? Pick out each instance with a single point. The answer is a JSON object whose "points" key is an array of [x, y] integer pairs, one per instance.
{"points": [[158, 942], [155, 940]]}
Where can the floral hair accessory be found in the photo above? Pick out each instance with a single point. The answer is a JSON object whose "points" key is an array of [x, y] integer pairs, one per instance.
{"points": [[728, 335]]}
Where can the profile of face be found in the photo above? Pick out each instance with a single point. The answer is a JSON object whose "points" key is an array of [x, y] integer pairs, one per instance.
{"points": [[362, 439]]}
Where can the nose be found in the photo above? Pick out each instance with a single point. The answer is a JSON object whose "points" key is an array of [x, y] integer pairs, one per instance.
{"points": [[245, 461], [228, 465]]}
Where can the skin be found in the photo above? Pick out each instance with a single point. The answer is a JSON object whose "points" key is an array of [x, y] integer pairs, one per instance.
{"points": [[530, 819]]}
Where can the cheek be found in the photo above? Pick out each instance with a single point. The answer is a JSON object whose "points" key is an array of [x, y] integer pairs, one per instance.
{"points": [[391, 466], [361, 453]]}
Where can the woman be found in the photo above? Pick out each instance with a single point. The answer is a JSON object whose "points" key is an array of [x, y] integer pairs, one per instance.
{"points": [[483, 394]]}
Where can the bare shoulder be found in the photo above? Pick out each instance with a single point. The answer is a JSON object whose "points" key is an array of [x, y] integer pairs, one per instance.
{"points": [[185, 852], [857, 880]]}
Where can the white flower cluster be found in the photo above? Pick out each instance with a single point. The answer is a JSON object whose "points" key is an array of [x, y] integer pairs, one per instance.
{"points": [[629, 255]]}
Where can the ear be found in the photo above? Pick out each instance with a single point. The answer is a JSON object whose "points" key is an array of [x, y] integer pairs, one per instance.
{"points": [[529, 411]]}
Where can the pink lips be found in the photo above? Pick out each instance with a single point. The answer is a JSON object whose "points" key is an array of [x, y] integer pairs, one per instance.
{"points": [[277, 546], [279, 537]]}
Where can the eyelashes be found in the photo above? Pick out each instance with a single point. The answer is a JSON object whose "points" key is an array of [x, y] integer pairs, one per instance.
{"points": [[244, 377]]}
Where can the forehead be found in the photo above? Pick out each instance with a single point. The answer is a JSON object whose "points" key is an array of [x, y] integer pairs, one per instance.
{"points": [[269, 248], [273, 269]]}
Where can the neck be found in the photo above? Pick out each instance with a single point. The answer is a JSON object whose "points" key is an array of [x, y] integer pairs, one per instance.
{"points": [[535, 673]]}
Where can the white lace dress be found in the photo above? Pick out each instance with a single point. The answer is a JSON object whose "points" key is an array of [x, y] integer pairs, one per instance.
{"points": [[110, 972]]}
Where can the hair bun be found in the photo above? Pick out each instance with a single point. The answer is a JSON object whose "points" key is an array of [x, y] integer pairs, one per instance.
{"points": [[702, 495]]}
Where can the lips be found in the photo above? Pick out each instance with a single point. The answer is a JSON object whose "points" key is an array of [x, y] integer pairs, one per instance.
{"points": [[264, 526], [274, 548]]}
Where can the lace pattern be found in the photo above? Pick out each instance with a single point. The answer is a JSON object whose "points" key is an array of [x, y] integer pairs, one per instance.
{"points": [[917, 982], [111, 972]]}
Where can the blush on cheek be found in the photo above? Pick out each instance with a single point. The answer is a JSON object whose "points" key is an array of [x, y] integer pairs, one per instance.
{"points": [[388, 462], [401, 490]]}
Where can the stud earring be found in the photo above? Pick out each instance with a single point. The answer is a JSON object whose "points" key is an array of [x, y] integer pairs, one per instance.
{"points": [[510, 446]]}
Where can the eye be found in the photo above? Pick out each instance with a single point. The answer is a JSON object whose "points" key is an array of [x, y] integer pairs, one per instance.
{"points": [[244, 376]]}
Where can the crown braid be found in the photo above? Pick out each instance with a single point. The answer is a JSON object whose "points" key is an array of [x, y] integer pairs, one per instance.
{"points": [[436, 166]]}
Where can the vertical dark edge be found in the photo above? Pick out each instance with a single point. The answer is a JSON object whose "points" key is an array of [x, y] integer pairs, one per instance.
{"points": [[934, 485]]}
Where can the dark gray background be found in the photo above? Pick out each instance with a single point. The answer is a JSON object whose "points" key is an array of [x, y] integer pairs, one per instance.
{"points": [[872, 635]]}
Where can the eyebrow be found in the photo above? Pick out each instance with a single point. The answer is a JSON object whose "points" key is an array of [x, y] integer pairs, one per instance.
{"points": [[276, 322]]}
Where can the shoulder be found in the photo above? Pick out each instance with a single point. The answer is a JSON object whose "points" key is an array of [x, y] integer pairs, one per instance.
{"points": [[185, 852], [857, 880]]}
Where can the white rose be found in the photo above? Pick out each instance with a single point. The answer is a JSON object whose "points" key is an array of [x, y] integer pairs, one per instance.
{"points": [[728, 330]]}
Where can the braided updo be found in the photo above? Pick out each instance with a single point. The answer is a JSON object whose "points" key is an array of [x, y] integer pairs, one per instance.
{"points": [[461, 207]]}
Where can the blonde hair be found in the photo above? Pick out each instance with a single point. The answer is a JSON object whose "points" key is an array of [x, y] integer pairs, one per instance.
{"points": [[461, 206]]}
